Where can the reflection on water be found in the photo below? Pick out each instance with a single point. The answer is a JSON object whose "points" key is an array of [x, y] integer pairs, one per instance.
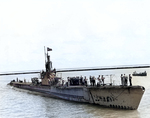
{"points": [[16, 103]]}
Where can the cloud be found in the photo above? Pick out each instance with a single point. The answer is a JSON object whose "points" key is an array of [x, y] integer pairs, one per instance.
{"points": [[81, 33]]}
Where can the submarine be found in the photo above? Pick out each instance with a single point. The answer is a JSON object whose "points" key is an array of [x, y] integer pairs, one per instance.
{"points": [[76, 89]]}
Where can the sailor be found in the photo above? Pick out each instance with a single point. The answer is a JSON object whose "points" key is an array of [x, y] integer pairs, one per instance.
{"points": [[122, 80], [130, 79], [125, 80], [54, 71], [62, 82], [102, 78], [68, 80], [24, 80], [42, 74], [81, 80], [99, 80], [85, 81], [91, 80]]}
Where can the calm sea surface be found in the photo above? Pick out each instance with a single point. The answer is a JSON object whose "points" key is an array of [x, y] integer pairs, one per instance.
{"points": [[16, 103]]}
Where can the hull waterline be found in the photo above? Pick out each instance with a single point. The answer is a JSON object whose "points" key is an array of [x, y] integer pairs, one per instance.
{"points": [[123, 97]]}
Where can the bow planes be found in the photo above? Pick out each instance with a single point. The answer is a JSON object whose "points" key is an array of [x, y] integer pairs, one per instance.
{"points": [[77, 89]]}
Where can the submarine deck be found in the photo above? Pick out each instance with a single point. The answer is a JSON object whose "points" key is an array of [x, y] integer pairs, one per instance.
{"points": [[81, 86]]}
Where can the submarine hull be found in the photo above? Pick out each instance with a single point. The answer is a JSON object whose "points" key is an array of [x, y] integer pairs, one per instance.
{"points": [[122, 97]]}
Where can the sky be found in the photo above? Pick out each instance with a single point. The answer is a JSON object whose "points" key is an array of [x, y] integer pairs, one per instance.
{"points": [[81, 33]]}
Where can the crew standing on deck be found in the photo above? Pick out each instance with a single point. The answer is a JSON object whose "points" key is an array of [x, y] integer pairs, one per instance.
{"points": [[122, 80], [99, 80], [91, 80], [81, 80], [130, 79], [63, 82], [85, 81], [102, 78], [125, 80]]}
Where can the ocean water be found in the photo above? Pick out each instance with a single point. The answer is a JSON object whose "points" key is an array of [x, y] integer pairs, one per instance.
{"points": [[16, 103]]}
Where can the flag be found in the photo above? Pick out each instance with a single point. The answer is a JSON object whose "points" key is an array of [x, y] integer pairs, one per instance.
{"points": [[49, 49]]}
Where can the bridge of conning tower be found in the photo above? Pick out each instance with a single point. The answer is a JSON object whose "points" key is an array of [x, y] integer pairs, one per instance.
{"points": [[50, 75], [48, 64]]}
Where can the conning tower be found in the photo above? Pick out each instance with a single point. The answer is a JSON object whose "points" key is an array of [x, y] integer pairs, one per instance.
{"points": [[49, 73]]}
